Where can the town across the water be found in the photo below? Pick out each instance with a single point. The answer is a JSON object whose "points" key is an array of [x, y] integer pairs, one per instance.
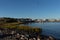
{"points": [[26, 20]]}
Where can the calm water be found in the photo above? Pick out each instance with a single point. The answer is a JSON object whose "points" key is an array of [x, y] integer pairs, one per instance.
{"points": [[52, 29]]}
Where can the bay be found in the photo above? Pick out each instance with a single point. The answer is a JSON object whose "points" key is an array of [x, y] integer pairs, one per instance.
{"points": [[48, 28]]}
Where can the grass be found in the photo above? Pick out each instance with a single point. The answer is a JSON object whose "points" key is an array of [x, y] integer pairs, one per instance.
{"points": [[17, 26]]}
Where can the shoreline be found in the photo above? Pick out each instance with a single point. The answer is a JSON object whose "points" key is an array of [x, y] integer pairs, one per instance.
{"points": [[10, 29]]}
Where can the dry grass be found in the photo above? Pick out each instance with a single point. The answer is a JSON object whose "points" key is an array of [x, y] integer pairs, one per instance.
{"points": [[17, 26]]}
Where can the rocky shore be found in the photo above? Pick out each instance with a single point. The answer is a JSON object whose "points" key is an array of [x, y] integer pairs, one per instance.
{"points": [[15, 34]]}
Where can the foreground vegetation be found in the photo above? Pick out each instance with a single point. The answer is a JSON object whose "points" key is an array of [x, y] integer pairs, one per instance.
{"points": [[20, 27]]}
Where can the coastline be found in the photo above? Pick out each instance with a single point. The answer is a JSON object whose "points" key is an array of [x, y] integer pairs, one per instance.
{"points": [[14, 28]]}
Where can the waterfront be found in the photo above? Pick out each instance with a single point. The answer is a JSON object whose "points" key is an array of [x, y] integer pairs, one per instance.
{"points": [[49, 28], [20, 32]]}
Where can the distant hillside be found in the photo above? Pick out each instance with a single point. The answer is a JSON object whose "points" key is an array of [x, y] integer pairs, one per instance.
{"points": [[11, 20]]}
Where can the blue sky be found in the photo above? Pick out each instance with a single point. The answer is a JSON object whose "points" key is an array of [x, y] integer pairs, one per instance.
{"points": [[30, 8]]}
